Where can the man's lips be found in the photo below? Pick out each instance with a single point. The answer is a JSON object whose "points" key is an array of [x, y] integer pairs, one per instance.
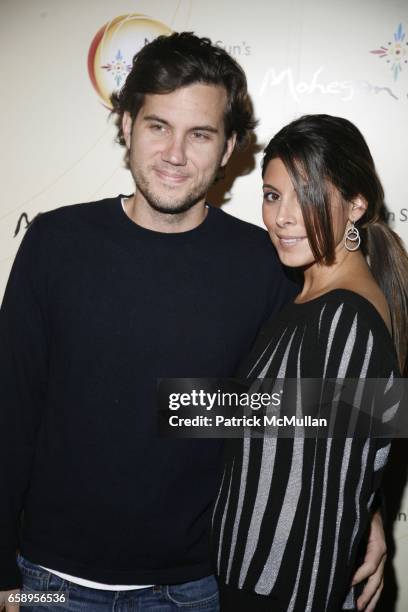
{"points": [[175, 178]]}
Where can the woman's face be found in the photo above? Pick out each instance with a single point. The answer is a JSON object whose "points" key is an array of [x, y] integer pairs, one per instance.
{"points": [[283, 217]]}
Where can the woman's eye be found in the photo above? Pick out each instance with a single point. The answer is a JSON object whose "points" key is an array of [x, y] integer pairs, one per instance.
{"points": [[271, 196]]}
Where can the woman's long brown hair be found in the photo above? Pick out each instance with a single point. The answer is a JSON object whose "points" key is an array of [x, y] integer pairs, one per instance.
{"points": [[320, 151]]}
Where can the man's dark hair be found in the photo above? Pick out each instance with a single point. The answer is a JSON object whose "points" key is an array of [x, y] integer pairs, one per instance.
{"points": [[181, 59]]}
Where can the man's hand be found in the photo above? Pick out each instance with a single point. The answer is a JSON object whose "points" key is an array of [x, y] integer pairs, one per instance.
{"points": [[5, 605], [373, 566]]}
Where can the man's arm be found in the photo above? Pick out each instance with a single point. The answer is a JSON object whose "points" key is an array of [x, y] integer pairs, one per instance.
{"points": [[284, 287], [372, 569], [23, 367], [5, 604]]}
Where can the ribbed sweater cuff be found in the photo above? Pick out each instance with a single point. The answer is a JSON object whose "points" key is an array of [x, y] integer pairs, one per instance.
{"points": [[10, 576]]}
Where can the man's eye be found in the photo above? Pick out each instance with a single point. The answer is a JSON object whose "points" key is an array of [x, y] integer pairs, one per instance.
{"points": [[157, 127], [270, 196], [200, 136]]}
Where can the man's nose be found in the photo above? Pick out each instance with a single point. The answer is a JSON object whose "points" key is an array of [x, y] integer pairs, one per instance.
{"points": [[175, 151]]}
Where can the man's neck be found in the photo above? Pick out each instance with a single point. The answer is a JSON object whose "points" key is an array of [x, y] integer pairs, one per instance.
{"points": [[144, 215]]}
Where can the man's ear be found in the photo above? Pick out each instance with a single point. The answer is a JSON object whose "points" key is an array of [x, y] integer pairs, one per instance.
{"points": [[229, 147], [357, 208], [127, 124]]}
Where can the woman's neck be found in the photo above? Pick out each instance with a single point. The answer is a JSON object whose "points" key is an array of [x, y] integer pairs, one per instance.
{"points": [[349, 270]]}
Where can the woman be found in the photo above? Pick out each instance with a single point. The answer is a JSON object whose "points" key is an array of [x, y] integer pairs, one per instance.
{"points": [[291, 513]]}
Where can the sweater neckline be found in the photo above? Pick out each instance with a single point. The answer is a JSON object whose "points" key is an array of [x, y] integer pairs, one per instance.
{"points": [[147, 234], [350, 297]]}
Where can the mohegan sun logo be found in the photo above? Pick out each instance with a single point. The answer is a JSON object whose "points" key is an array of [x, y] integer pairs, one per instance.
{"points": [[396, 51], [119, 68], [113, 47]]}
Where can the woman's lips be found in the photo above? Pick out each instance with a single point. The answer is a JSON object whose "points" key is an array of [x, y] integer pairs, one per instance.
{"points": [[289, 241]]}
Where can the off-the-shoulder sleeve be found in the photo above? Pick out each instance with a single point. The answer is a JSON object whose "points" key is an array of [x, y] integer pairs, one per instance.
{"points": [[358, 367], [293, 510]]}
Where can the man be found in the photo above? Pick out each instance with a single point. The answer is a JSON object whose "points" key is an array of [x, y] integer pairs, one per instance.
{"points": [[103, 299]]}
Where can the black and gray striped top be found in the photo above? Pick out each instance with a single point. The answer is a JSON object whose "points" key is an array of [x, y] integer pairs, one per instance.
{"points": [[291, 513]]}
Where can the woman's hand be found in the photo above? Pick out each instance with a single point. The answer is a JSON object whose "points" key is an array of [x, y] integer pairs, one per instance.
{"points": [[373, 566]]}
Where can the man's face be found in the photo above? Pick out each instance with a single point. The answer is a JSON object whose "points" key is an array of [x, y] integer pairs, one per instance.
{"points": [[177, 144]]}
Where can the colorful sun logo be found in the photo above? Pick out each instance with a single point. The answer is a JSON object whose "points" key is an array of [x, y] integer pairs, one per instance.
{"points": [[396, 51], [113, 47]]}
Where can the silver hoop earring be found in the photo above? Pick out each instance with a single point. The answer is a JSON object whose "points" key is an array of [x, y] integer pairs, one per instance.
{"points": [[352, 235]]}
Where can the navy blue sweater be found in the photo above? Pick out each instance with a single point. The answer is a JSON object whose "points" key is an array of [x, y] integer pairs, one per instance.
{"points": [[96, 309]]}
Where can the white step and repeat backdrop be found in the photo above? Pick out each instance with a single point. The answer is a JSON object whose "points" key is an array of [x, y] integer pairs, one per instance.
{"points": [[60, 58]]}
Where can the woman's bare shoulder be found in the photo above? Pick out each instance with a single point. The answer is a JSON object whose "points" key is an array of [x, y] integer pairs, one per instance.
{"points": [[372, 292]]}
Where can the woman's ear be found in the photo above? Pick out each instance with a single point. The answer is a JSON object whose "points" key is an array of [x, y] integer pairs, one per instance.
{"points": [[357, 208]]}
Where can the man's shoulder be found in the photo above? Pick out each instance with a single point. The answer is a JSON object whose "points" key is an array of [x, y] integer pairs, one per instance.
{"points": [[239, 229], [75, 215]]}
